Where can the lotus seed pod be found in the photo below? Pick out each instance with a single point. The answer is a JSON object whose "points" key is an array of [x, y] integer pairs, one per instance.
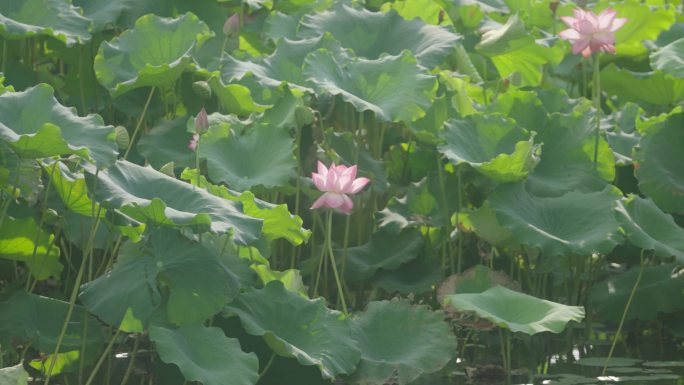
{"points": [[122, 137], [303, 116], [202, 122], [51, 216], [202, 89], [168, 169], [232, 25]]}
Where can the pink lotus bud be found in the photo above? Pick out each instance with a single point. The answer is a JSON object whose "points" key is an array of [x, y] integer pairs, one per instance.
{"points": [[202, 122], [232, 25]]}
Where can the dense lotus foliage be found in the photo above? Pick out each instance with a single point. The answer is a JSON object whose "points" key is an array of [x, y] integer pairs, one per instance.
{"points": [[317, 191]]}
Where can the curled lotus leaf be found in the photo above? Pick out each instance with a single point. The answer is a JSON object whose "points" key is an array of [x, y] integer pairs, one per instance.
{"points": [[153, 53], [372, 35], [517, 312], [659, 157], [669, 59], [492, 144], [573, 223], [56, 18], [294, 326], [399, 342], [150, 196], [205, 354], [395, 88], [35, 125]]}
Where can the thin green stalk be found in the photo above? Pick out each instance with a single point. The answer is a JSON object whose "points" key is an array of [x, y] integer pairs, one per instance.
{"points": [[268, 365], [129, 368], [597, 105], [81, 80], [328, 241], [458, 218], [40, 226], [624, 313], [4, 55], [197, 160], [445, 206], [140, 121], [102, 357]]}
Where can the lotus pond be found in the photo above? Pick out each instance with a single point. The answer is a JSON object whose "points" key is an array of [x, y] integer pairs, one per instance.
{"points": [[316, 191]]}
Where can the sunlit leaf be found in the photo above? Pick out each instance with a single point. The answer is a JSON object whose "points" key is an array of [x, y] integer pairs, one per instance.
{"points": [[399, 342], [644, 23], [297, 327], [153, 53], [35, 125], [516, 311], [654, 87], [205, 354], [56, 18], [22, 240]]}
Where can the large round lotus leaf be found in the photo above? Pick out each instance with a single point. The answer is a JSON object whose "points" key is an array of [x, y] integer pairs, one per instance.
{"points": [[38, 320], [417, 276], [659, 156], [35, 125], [669, 59], [417, 208], [234, 98], [262, 156], [654, 87], [517, 312], [22, 240], [646, 22], [649, 228], [24, 175], [150, 196], [567, 156], [71, 187], [399, 342], [297, 327], [491, 144], [395, 88], [278, 222], [283, 65], [385, 250], [56, 18], [167, 142], [477, 279], [205, 355], [573, 223], [14, 375], [195, 278], [373, 34], [661, 290], [103, 13], [154, 53]]}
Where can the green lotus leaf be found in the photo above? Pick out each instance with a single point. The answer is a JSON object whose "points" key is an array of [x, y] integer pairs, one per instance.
{"points": [[22, 240], [35, 125], [395, 88], [38, 320], [63, 362], [493, 145], [573, 223], [614, 362], [71, 187], [206, 355], [167, 142], [486, 225], [20, 175], [235, 98], [516, 311], [297, 327], [513, 50], [624, 135], [14, 375], [152, 197], [154, 53], [660, 290], [262, 156], [428, 11], [645, 23], [669, 59], [399, 342], [567, 158], [290, 278], [649, 228], [56, 18], [385, 250], [283, 65], [418, 207], [477, 279], [194, 277], [372, 35], [103, 13], [659, 159], [418, 276], [487, 6], [278, 222], [654, 87], [351, 152], [524, 107]]}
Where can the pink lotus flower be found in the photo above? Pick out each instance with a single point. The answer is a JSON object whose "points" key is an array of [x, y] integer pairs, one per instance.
{"points": [[337, 182], [193, 142], [590, 33]]}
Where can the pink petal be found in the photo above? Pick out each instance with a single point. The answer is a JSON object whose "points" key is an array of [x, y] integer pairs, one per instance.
{"points": [[322, 169], [334, 200], [579, 46], [331, 179], [570, 34], [606, 17], [319, 181], [347, 206], [592, 18], [587, 51], [617, 24], [585, 27], [319, 202], [357, 185], [346, 179], [570, 21]]}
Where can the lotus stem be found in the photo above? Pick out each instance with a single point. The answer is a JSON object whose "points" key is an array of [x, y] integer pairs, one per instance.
{"points": [[137, 126], [328, 241], [129, 368], [102, 357], [597, 105], [268, 365], [624, 312]]}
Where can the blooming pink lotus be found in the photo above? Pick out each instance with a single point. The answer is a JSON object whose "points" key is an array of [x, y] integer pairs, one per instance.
{"points": [[337, 182], [590, 33]]}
